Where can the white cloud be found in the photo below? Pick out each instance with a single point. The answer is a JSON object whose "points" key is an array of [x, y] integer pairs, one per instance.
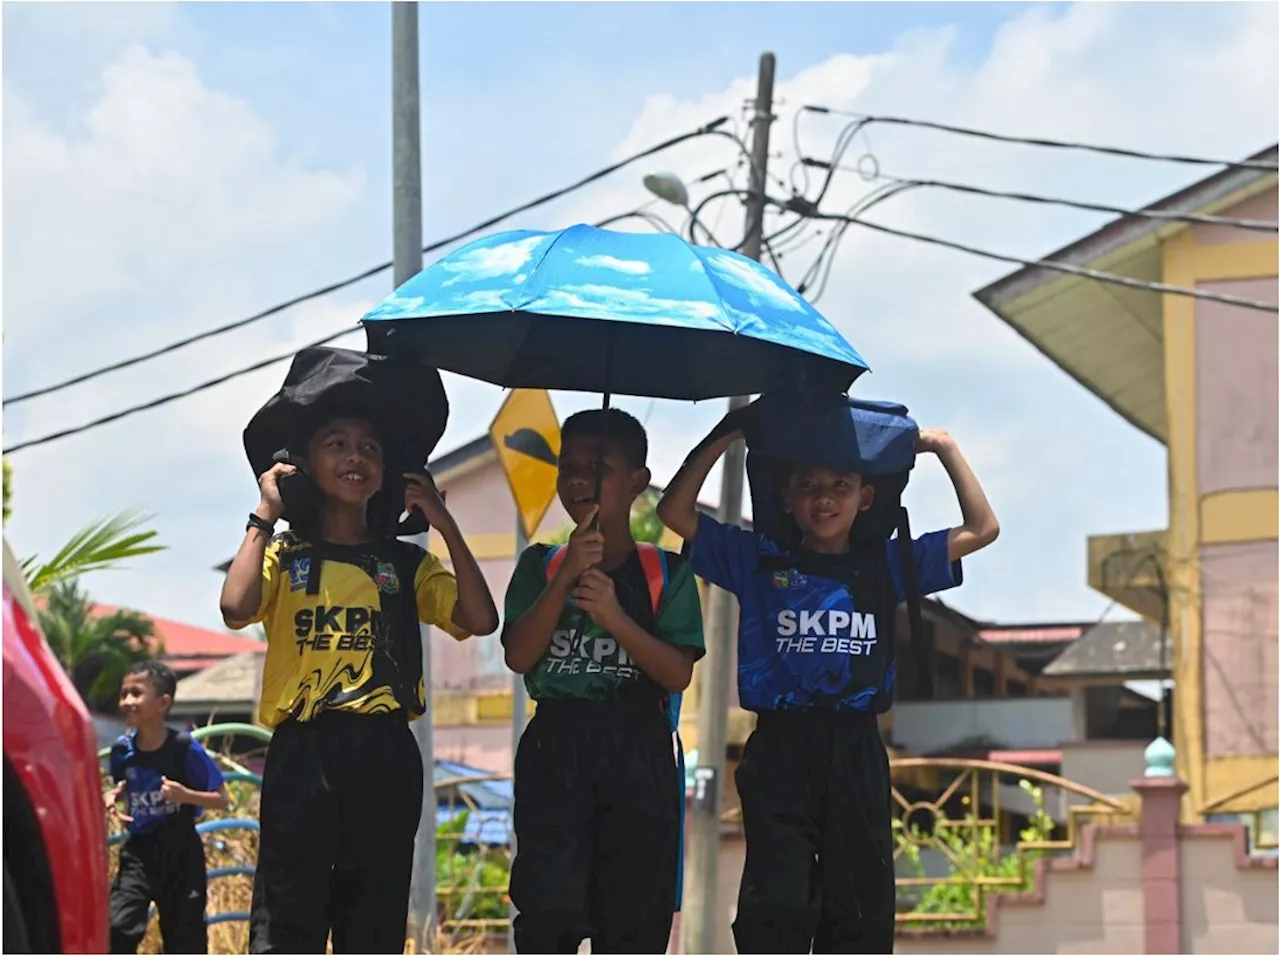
{"points": [[490, 262], [165, 211], [170, 208], [628, 266]]}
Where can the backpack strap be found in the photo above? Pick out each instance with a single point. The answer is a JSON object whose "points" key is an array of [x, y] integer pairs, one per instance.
{"points": [[915, 618]]}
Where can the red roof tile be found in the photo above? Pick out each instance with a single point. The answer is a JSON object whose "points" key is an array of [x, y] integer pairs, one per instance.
{"points": [[1026, 758], [187, 640], [1031, 635]]}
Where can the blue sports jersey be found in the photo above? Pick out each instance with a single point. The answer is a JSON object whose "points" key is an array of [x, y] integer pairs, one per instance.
{"points": [[142, 771], [801, 641]]}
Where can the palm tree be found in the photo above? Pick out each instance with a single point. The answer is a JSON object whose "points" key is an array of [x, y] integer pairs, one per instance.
{"points": [[95, 547], [95, 650]]}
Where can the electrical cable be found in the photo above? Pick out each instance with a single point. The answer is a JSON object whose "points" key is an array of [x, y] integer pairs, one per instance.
{"points": [[174, 396], [195, 389], [711, 128], [1062, 267], [865, 118], [1199, 219]]}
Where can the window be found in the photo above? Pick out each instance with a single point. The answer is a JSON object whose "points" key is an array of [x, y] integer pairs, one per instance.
{"points": [[1015, 688], [948, 682], [984, 683]]}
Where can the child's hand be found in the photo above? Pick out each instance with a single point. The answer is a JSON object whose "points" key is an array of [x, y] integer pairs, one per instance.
{"points": [[735, 422], [420, 492], [933, 440], [595, 594], [111, 798], [173, 792], [271, 507], [585, 548]]}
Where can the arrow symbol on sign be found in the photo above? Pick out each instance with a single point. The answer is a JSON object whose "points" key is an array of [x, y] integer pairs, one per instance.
{"points": [[528, 442]]}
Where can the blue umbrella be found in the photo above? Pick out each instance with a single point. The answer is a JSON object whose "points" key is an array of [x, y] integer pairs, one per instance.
{"points": [[586, 309]]}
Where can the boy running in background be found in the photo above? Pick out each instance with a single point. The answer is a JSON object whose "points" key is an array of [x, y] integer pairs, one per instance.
{"points": [[814, 777], [604, 631], [168, 780]]}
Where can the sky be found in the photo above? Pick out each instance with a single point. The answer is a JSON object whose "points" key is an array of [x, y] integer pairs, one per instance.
{"points": [[171, 167]]}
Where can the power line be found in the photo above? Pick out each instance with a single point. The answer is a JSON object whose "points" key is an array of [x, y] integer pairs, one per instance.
{"points": [[173, 396], [866, 119], [1054, 266], [711, 128], [221, 379], [1200, 219]]}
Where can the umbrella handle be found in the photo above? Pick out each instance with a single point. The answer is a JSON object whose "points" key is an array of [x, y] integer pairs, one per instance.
{"points": [[604, 423]]}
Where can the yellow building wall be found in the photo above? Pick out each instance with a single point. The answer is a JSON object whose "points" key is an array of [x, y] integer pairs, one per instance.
{"points": [[1220, 784]]}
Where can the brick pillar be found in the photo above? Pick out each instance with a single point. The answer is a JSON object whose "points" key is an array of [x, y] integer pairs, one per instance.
{"points": [[1161, 794]]}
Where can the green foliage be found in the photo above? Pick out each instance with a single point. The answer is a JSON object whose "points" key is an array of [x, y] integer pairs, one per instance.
{"points": [[94, 650], [474, 883], [975, 853], [95, 547], [8, 488]]}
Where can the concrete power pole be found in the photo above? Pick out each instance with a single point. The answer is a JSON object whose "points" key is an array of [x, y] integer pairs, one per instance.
{"points": [[699, 915], [406, 219]]}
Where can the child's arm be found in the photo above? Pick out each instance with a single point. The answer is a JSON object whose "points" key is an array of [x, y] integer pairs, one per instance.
{"points": [[678, 509], [474, 611], [242, 589], [174, 792], [980, 526], [527, 637], [111, 798], [669, 666]]}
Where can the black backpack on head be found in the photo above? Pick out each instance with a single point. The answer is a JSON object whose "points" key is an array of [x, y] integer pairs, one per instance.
{"points": [[404, 400]]}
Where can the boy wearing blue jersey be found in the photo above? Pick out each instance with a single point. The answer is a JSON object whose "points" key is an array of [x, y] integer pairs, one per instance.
{"points": [[814, 776], [168, 780]]}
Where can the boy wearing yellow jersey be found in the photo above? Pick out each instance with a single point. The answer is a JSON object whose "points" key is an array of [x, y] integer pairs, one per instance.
{"points": [[340, 598]]}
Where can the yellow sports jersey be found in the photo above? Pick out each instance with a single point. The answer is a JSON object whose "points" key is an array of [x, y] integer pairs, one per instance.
{"points": [[336, 649]]}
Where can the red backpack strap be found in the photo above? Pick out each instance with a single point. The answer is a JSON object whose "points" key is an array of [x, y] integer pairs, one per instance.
{"points": [[555, 558], [654, 561]]}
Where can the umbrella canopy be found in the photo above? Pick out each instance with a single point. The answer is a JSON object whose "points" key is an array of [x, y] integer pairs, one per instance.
{"points": [[586, 309]]}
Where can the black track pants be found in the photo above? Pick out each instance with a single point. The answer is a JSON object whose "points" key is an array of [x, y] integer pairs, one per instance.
{"points": [[341, 798], [167, 867], [816, 811], [597, 829]]}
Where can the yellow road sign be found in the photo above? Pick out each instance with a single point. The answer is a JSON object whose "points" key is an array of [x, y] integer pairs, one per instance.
{"points": [[526, 435]]}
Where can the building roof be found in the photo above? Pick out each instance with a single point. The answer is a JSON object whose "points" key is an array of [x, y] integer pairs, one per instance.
{"points": [[1107, 337], [1127, 649], [230, 682], [1031, 633], [187, 640]]}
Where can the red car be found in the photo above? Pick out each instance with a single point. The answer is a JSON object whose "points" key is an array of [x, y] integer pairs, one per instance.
{"points": [[55, 843]]}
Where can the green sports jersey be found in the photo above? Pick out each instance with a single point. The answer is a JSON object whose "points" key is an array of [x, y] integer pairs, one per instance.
{"points": [[583, 660]]}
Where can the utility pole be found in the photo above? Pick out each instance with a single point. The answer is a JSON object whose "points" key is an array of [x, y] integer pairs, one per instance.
{"points": [[699, 917], [406, 220], [519, 710]]}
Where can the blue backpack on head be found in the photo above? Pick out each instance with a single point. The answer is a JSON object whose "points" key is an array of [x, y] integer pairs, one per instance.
{"points": [[875, 439]]}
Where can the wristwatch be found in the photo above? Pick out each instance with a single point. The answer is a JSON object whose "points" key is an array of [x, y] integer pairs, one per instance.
{"points": [[262, 524]]}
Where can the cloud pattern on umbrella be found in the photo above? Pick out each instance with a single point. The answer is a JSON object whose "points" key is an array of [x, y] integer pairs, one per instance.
{"points": [[579, 272]]}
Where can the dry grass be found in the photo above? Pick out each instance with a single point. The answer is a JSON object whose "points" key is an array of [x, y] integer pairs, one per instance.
{"points": [[233, 894]]}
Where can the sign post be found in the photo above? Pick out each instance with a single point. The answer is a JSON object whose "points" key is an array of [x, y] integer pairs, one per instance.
{"points": [[526, 435]]}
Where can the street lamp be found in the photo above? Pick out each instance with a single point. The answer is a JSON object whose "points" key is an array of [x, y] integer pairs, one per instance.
{"points": [[669, 188]]}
